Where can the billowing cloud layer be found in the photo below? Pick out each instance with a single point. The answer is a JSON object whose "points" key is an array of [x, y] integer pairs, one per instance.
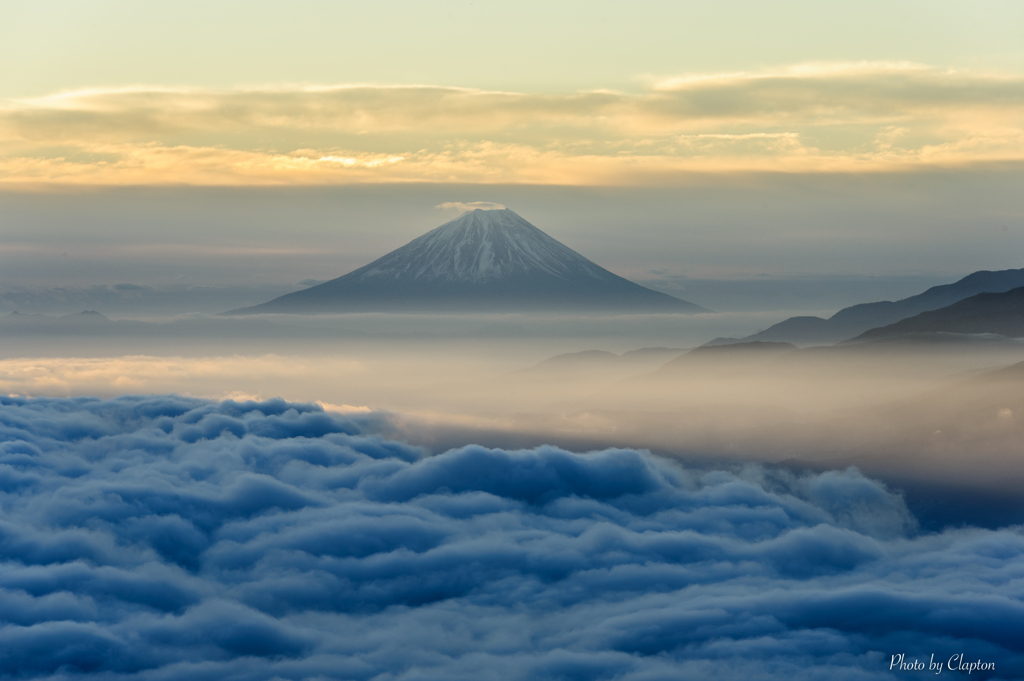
{"points": [[817, 117], [164, 537]]}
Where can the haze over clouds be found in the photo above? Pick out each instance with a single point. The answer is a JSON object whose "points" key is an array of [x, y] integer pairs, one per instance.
{"points": [[791, 231], [165, 537], [955, 426], [869, 116]]}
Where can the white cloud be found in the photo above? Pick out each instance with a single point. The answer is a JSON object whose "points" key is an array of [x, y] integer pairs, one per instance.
{"points": [[808, 70], [472, 205], [344, 408], [821, 117]]}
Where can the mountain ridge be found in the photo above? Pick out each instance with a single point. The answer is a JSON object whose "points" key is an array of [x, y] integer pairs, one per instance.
{"points": [[857, 319], [484, 260], [1000, 313]]}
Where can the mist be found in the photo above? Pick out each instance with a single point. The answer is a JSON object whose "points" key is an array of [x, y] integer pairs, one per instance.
{"points": [[560, 494], [928, 415], [789, 228]]}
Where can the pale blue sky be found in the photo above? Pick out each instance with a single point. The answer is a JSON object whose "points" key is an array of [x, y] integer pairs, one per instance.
{"points": [[528, 45]]}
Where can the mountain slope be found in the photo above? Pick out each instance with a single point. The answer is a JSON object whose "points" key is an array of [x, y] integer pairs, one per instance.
{"points": [[857, 319], [997, 313], [738, 357], [485, 260]]}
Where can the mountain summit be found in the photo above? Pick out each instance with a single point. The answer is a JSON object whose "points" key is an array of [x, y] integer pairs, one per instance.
{"points": [[483, 261]]}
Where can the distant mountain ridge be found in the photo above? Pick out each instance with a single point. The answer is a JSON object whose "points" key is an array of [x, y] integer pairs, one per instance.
{"points": [[484, 260], [855, 320], [85, 317], [985, 313]]}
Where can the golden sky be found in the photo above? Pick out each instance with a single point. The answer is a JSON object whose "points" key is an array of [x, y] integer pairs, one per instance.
{"points": [[266, 93], [832, 117]]}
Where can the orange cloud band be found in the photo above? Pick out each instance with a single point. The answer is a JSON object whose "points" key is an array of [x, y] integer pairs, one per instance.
{"points": [[824, 118]]}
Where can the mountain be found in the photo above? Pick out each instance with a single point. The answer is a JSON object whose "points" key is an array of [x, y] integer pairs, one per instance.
{"points": [[737, 356], [851, 321], [707, 374], [995, 313], [483, 261], [88, 323]]}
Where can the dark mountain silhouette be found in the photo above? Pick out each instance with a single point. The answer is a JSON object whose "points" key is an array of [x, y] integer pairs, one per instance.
{"points": [[483, 261], [734, 357], [995, 313], [855, 320]]}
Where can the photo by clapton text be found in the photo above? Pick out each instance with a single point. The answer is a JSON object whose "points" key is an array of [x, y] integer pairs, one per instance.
{"points": [[955, 663]]}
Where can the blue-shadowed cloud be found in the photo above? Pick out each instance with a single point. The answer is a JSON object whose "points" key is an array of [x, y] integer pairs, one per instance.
{"points": [[169, 538]]}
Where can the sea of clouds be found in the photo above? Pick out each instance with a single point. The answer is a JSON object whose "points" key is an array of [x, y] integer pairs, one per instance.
{"points": [[176, 538]]}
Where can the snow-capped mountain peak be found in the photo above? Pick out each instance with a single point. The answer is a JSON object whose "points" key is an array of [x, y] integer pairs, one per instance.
{"points": [[480, 246], [482, 261]]}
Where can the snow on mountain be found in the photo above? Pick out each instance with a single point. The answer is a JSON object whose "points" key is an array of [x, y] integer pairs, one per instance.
{"points": [[480, 246], [484, 260]]}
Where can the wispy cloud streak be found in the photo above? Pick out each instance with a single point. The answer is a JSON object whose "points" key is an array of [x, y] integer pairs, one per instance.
{"points": [[813, 117]]}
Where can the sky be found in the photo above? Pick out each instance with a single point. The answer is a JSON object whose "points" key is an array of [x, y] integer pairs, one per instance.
{"points": [[724, 141], [523, 46], [575, 93]]}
